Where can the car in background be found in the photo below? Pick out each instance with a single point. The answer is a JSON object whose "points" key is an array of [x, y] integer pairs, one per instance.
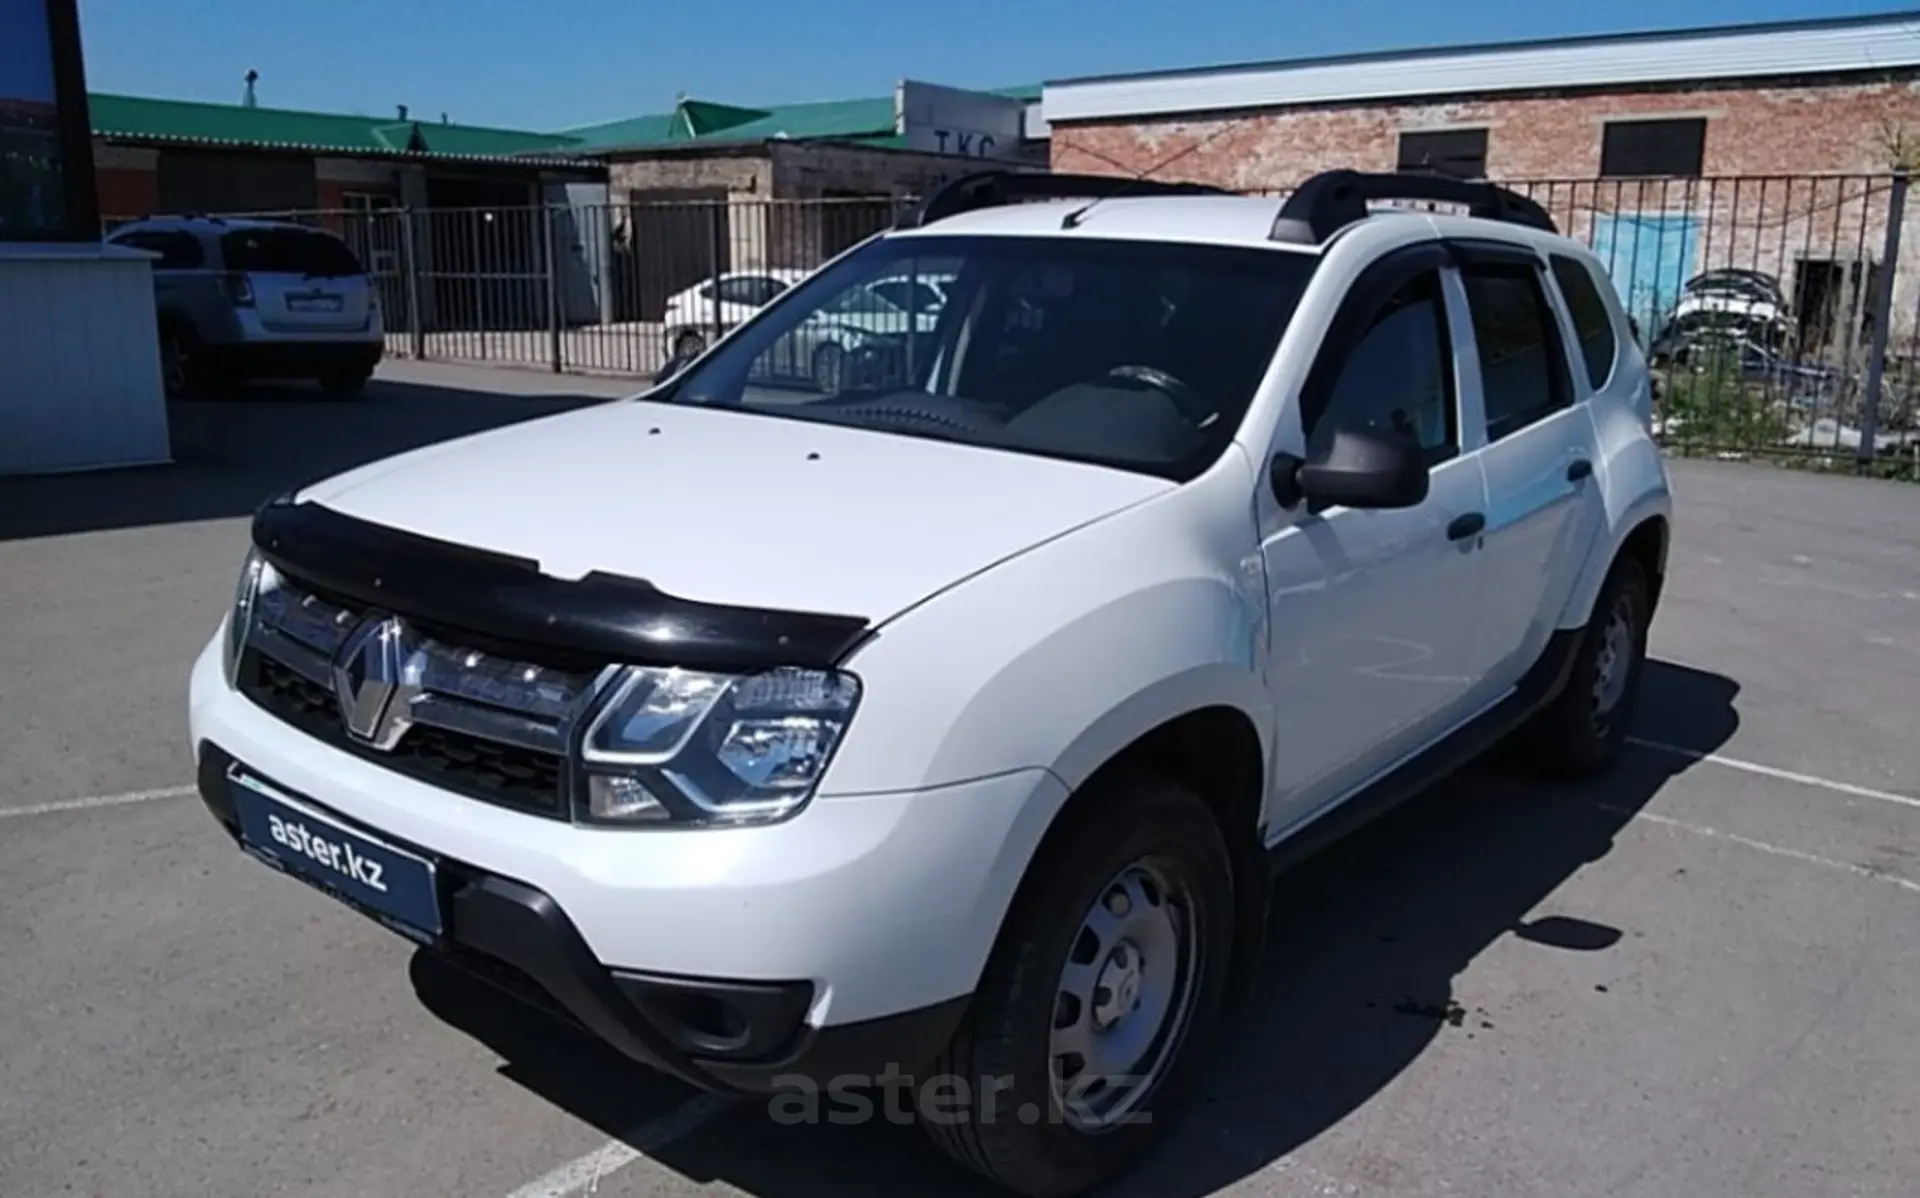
{"points": [[864, 324], [1741, 305], [701, 314], [241, 299]]}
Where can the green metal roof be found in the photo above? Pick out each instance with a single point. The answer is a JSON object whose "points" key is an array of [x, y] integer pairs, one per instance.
{"points": [[700, 122], [231, 124], [692, 122]]}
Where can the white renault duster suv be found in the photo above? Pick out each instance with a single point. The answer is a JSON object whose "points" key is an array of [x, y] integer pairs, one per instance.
{"points": [[946, 726]]}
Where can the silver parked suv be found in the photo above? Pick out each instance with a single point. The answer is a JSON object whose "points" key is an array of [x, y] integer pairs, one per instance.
{"points": [[258, 299]]}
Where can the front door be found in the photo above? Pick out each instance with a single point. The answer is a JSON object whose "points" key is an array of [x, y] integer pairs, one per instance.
{"points": [[1372, 613]]}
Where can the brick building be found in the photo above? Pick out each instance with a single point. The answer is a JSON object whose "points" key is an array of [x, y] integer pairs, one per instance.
{"points": [[716, 187], [1763, 147]]}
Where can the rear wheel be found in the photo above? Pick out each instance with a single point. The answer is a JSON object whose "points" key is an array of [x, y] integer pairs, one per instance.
{"points": [[689, 344], [345, 381], [177, 369], [1091, 1020], [1581, 732]]}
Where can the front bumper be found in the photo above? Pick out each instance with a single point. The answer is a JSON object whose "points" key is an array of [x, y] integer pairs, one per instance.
{"points": [[842, 941]]}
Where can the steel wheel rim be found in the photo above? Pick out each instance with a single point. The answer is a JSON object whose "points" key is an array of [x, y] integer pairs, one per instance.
{"points": [[1124, 998], [1615, 664]]}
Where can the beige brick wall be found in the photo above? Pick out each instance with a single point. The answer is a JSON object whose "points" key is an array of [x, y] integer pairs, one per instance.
{"points": [[1750, 131], [794, 204], [1761, 207]]}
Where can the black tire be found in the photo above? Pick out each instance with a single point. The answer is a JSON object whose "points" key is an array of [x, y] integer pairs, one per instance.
{"points": [[1580, 733], [346, 381], [1010, 1123], [689, 344]]}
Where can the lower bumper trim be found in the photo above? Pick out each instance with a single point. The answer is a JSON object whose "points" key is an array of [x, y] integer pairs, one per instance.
{"points": [[739, 1037]]}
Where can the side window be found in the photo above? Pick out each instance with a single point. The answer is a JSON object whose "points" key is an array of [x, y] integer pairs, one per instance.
{"points": [[1592, 323], [1398, 377], [1523, 367], [752, 290], [178, 251]]}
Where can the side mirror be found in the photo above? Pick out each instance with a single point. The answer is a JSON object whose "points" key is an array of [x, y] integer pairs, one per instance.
{"points": [[1363, 468]]}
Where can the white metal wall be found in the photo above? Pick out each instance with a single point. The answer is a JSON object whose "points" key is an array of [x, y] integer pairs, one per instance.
{"points": [[79, 360]]}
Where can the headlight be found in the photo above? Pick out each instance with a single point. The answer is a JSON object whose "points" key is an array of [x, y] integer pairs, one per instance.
{"points": [[246, 593], [679, 746]]}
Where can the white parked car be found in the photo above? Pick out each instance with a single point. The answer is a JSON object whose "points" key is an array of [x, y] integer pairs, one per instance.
{"points": [[869, 318], [1196, 530], [699, 315], [245, 299]]}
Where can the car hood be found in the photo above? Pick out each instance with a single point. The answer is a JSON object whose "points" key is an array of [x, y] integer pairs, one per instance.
{"points": [[733, 507]]}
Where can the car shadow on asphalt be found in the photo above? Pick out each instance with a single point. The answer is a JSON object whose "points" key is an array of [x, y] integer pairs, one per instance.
{"points": [[1358, 979], [233, 453]]}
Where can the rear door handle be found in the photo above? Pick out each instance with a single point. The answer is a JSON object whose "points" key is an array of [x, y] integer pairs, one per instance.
{"points": [[1470, 525], [1580, 469]]}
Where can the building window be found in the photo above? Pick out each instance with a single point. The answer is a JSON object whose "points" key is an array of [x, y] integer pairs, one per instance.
{"points": [[1653, 149], [31, 199], [1455, 153]]}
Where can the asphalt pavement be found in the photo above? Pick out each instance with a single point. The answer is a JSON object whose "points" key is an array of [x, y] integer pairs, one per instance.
{"points": [[1697, 977]]}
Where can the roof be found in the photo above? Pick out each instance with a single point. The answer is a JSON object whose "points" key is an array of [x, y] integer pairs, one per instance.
{"points": [[705, 123], [1221, 219], [194, 122], [1828, 46]]}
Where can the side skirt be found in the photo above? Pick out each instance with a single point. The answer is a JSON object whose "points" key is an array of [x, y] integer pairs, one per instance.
{"points": [[1541, 686]]}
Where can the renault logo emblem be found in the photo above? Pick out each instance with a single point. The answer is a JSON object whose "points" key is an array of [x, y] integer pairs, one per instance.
{"points": [[369, 678]]}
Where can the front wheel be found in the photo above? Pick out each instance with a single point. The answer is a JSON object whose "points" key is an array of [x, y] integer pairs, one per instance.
{"points": [[1092, 1016], [689, 344]]}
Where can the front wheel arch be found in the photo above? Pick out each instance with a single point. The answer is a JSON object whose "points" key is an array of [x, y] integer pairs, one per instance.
{"points": [[1217, 753]]}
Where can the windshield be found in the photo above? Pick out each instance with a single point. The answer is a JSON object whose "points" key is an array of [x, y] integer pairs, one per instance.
{"points": [[1138, 355]]}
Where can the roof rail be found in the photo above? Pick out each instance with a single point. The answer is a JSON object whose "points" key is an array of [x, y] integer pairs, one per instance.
{"points": [[1332, 200], [994, 188]]}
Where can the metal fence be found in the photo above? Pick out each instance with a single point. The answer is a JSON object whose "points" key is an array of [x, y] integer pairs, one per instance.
{"points": [[1782, 314], [609, 289]]}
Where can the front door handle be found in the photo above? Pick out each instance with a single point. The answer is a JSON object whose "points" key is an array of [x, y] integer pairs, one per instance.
{"points": [[1470, 525], [1580, 468]]}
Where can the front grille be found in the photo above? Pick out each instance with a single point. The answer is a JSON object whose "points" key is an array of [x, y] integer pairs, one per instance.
{"points": [[509, 775], [484, 725]]}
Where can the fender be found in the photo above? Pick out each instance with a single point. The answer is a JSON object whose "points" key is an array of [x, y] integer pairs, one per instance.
{"points": [[1058, 658]]}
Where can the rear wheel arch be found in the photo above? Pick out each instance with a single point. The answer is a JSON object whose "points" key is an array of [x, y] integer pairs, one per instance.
{"points": [[1647, 543]]}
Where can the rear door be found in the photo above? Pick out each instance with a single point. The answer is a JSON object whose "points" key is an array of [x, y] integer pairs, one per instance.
{"points": [[1538, 455], [301, 280]]}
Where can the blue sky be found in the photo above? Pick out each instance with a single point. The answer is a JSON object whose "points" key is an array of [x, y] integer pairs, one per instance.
{"points": [[548, 64]]}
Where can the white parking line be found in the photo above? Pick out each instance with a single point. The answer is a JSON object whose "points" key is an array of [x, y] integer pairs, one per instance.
{"points": [[1768, 771], [1858, 871], [81, 804], [582, 1175]]}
